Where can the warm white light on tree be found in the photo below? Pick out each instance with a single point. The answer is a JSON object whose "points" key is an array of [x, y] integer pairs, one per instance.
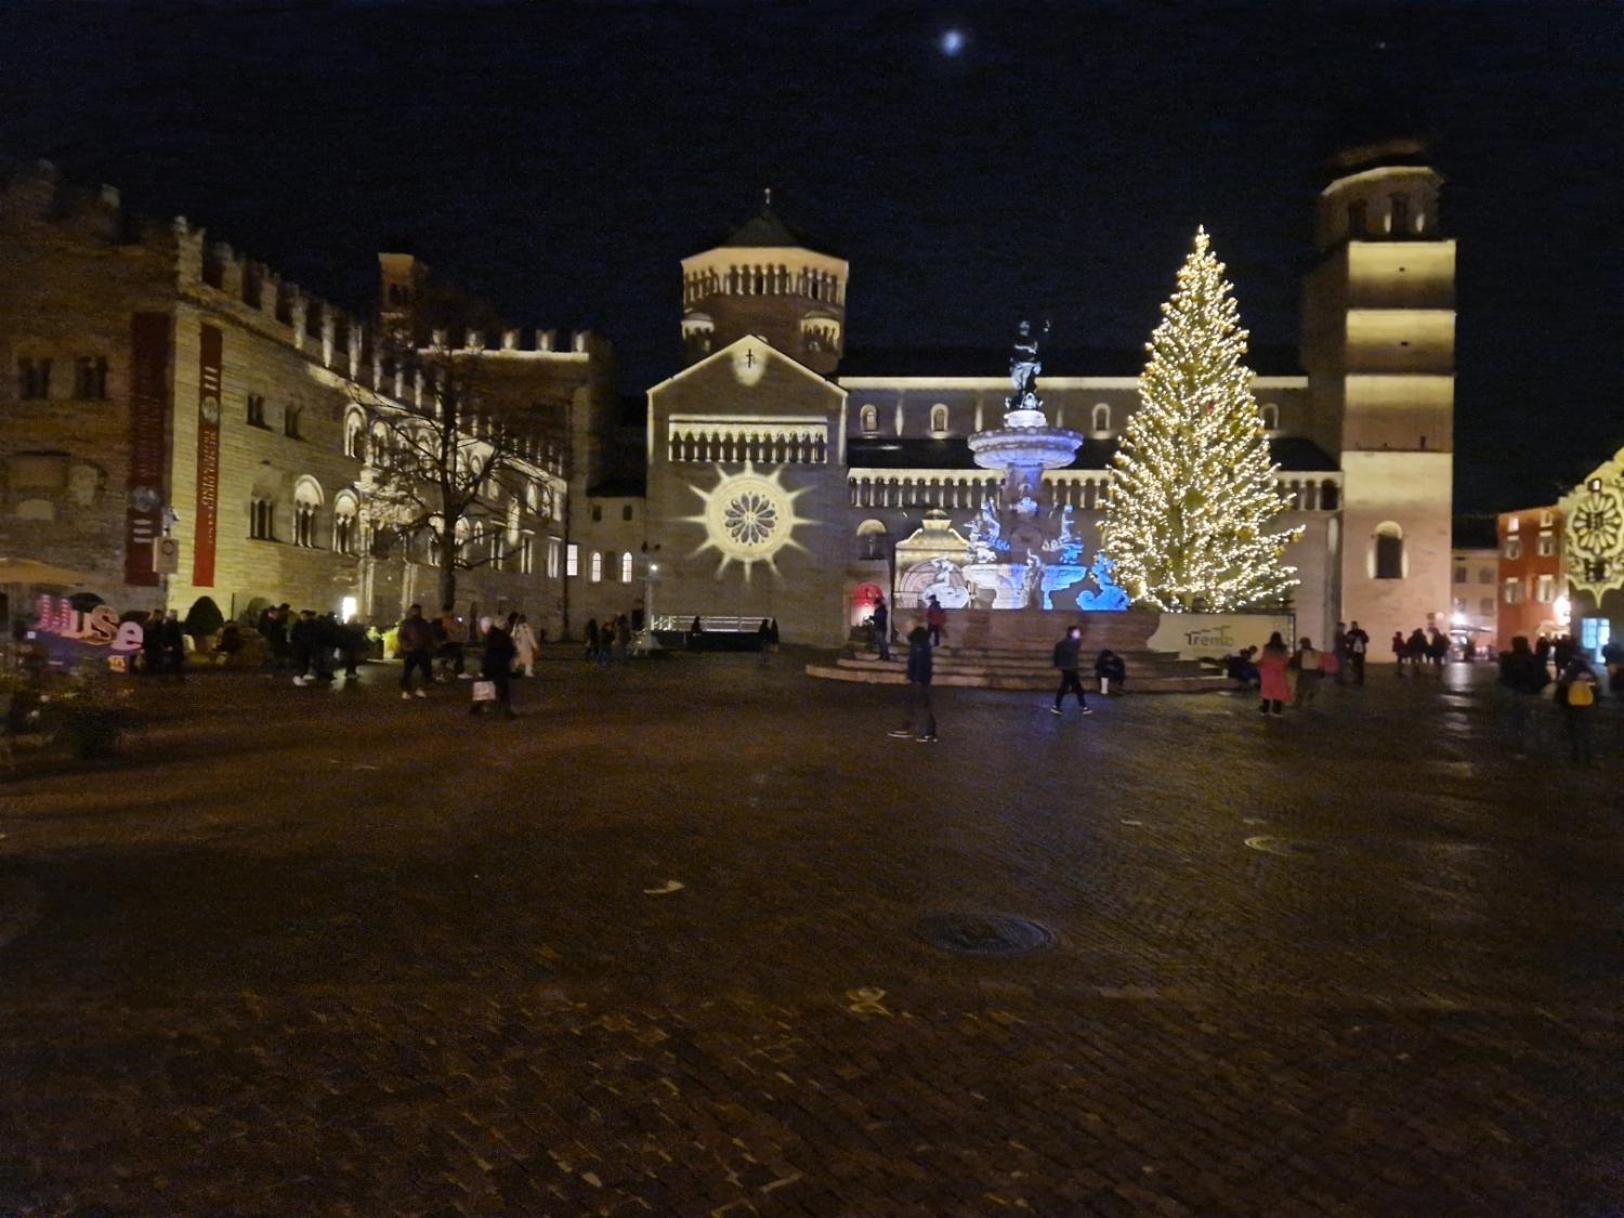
{"points": [[1187, 522]]}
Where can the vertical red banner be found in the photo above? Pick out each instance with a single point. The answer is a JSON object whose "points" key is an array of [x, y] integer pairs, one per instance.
{"points": [[209, 379], [149, 451]]}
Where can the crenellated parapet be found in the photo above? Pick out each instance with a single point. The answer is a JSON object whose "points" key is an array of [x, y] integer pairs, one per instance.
{"points": [[216, 275]]}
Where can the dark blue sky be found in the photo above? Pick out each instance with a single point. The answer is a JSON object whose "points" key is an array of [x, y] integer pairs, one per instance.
{"points": [[561, 159]]}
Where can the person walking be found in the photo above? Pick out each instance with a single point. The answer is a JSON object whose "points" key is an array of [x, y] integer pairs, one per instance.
{"points": [[1576, 690], [921, 715], [303, 636], [454, 638], [591, 639], [1522, 679], [1416, 648], [1275, 683], [1338, 653], [1438, 649], [1358, 648], [524, 646], [174, 644], [880, 625], [1111, 671], [764, 644], [936, 619], [415, 642], [352, 645], [496, 667], [1065, 659], [1306, 667], [1401, 652]]}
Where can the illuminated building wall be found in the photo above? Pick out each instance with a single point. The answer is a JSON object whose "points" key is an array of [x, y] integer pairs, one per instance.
{"points": [[1530, 584], [240, 391], [1378, 344]]}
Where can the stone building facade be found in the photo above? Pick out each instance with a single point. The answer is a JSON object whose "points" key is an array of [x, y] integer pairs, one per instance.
{"points": [[160, 385], [783, 473]]}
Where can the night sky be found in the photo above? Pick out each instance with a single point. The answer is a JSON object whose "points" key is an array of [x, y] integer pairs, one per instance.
{"points": [[561, 159]]}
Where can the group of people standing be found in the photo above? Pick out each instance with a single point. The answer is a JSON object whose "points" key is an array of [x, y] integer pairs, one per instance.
{"points": [[1526, 672], [1421, 649], [310, 643], [1285, 676]]}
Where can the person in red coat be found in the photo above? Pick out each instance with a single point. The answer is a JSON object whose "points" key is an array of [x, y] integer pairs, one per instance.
{"points": [[1271, 666]]}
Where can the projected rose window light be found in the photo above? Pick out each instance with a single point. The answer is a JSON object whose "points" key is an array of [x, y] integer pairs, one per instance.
{"points": [[749, 517]]}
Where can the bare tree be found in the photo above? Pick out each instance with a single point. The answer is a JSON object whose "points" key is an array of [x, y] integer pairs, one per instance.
{"points": [[445, 466]]}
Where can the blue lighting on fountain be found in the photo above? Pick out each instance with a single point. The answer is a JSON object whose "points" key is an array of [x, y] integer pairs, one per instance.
{"points": [[1018, 556]]}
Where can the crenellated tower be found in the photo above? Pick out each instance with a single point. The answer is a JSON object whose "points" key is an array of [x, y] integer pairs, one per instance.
{"points": [[766, 279], [1378, 344]]}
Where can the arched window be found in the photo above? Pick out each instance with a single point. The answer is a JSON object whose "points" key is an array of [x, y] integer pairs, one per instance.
{"points": [[1389, 551], [938, 419], [871, 539], [1271, 416], [344, 530], [871, 420], [597, 567], [307, 501], [1102, 417], [626, 567], [355, 431]]}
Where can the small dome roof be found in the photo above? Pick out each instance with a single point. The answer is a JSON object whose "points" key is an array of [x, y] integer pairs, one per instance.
{"points": [[769, 230], [1378, 130]]}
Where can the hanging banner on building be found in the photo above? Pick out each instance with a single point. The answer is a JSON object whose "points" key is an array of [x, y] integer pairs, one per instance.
{"points": [[208, 456], [149, 452]]}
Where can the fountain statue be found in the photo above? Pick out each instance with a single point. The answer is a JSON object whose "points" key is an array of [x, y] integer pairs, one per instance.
{"points": [[1014, 554]]}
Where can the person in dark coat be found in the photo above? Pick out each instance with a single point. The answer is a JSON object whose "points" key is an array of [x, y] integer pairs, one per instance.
{"points": [[764, 643], [921, 715], [880, 624], [591, 635], [496, 666], [174, 642], [1066, 660], [152, 643], [352, 645], [1522, 679], [1358, 647], [415, 643], [1416, 649], [306, 638], [1111, 671], [1576, 690]]}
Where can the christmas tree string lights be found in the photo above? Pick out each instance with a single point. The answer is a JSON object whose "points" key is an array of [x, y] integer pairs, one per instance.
{"points": [[1188, 519]]}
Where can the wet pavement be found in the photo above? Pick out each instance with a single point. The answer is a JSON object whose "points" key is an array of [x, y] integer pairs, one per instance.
{"points": [[694, 938]]}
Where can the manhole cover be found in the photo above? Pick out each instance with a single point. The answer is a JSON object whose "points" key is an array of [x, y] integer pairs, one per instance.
{"points": [[983, 934]]}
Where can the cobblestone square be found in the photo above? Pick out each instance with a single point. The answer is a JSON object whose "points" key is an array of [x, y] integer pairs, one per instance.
{"points": [[654, 949]]}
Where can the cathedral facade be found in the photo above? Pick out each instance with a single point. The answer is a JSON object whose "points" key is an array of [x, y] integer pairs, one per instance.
{"points": [[787, 480]]}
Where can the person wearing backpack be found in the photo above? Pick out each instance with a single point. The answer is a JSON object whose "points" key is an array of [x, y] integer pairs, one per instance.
{"points": [[1576, 695]]}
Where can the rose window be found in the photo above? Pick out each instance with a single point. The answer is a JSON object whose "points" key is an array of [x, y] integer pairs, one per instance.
{"points": [[750, 518]]}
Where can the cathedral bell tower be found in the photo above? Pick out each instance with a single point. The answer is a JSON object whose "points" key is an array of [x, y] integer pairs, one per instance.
{"points": [[766, 279], [1379, 347]]}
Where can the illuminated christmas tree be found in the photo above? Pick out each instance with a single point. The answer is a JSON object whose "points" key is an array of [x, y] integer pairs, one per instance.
{"points": [[1188, 519]]}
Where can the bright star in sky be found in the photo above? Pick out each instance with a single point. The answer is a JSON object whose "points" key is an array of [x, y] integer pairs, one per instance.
{"points": [[952, 41]]}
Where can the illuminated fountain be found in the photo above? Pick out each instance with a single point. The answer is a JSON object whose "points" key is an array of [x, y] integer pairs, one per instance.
{"points": [[1019, 552]]}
